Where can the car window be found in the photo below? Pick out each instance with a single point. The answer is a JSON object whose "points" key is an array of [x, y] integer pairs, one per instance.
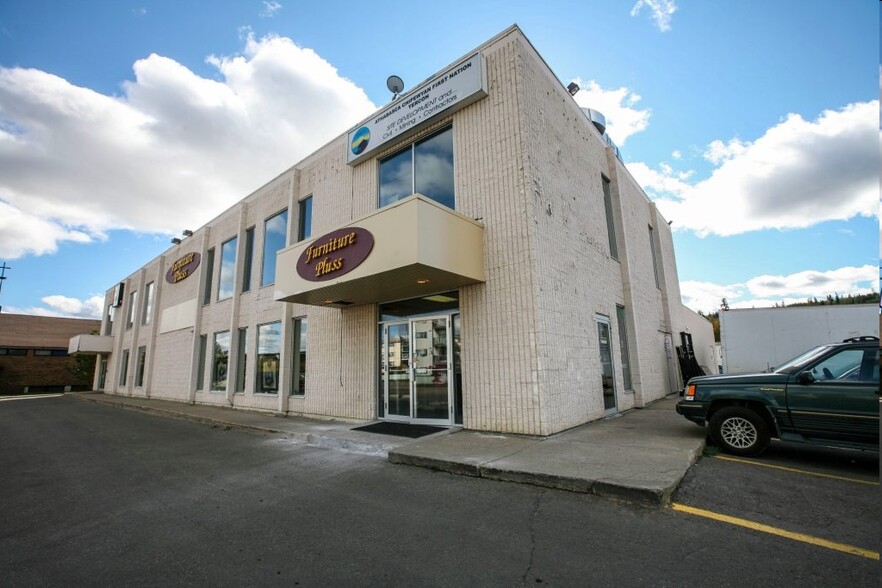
{"points": [[844, 365], [801, 360]]}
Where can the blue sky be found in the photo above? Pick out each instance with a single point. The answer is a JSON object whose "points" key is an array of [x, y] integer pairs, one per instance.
{"points": [[753, 125]]}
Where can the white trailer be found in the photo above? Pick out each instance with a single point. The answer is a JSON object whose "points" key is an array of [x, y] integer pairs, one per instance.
{"points": [[758, 339]]}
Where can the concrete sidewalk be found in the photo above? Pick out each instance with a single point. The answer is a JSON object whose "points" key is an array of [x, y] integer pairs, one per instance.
{"points": [[640, 456]]}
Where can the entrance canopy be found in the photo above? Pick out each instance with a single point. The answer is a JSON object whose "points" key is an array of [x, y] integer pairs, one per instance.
{"points": [[407, 249]]}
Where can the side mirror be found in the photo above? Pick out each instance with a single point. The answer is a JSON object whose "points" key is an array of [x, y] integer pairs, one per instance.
{"points": [[805, 378]]}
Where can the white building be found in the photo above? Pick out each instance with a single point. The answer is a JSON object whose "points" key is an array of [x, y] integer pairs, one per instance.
{"points": [[474, 253]]}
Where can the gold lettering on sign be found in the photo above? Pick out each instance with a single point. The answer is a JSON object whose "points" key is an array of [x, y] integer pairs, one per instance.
{"points": [[331, 245], [179, 269]]}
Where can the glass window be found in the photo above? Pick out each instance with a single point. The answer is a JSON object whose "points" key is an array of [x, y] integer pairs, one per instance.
{"points": [[124, 367], [298, 379], [843, 366], [209, 276], [623, 344], [249, 259], [274, 231], [652, 252], [425, 167], [200, 374], [227, 269], [141, 362], [242, 359], [304, 227], [130, 317], [147, 313], [108, 321], [269, 347], [220, 360], [610, 222], [50, 352], [12, 351]]}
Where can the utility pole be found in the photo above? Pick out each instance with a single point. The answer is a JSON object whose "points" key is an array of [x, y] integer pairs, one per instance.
{"points": [[3, 269]]}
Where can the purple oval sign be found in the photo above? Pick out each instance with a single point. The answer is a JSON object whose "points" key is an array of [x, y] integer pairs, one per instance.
{"points": [[182, 268], [337, 253]]}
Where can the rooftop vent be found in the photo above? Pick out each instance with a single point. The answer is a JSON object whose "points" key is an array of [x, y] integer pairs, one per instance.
{"points": [[597, 118]]}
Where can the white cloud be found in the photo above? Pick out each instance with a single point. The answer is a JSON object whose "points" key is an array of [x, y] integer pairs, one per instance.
{"points": [[798, 174], [270, 9], [767, 290], [64, 306], [618, 106], [661, 10], [174, 150]]}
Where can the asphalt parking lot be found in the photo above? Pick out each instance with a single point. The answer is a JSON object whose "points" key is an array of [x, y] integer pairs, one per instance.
{"points": [[822, 496]]}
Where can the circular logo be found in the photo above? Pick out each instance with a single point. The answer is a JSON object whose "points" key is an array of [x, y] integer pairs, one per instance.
{"points": [[360, 140]]}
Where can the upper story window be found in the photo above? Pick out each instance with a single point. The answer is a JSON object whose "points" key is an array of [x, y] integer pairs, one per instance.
{"points": [[209, 275], [249, 259], [130, 316], [227, 269], [654, 258], [304, 226], [610, 219], [147, 312], [424, 167], [274, 230]]}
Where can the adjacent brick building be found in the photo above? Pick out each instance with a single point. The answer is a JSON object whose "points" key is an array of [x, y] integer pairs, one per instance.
{"points": [[474, 253], [34, 354]]}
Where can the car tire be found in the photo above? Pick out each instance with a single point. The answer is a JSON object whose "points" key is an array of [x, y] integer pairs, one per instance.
{"points": [[739, 431]]}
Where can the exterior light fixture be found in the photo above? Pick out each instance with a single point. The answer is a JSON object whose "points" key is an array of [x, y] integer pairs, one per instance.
{"points": [[572, 88], [187, 233], [176, 241], [423, 281]]}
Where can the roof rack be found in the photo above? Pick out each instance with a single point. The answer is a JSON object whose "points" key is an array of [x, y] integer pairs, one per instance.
{"points": [[860, 339]]}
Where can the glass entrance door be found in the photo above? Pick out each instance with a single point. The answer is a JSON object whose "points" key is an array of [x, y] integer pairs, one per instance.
{"points": [[415, 370], [396, 360], [606, 366]]}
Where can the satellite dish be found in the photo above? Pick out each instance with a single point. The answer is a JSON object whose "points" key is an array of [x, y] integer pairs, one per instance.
{"points": [[395, 84]]}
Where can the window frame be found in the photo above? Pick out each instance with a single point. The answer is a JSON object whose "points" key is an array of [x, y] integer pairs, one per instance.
{"points": [[610, 217], [214, 385], [411, 147], [209, 277], [248, 262], [131, 311], [304, 219], [263, 265], [299, 355], [147, 303], [230, 244]]}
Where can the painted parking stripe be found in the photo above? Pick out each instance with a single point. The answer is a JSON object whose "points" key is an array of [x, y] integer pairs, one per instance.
{"points": [[843, 547], [797, 471], [30, 397]]}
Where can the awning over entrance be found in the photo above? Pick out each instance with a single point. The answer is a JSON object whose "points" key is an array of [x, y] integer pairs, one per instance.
{"points": [[407, 249]]}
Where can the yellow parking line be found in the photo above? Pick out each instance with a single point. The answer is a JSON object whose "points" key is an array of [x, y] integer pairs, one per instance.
{"points": [[776, 531], [794, 470]]}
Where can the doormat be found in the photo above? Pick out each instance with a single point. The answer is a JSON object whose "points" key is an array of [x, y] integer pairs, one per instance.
{"points": [[400, 429]]}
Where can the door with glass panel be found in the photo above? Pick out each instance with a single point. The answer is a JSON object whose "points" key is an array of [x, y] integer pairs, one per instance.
{"points": [[415, 370], [396, 370], [606, 366]]}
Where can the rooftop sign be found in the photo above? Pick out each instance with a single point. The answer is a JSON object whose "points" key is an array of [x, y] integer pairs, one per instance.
{"points": [[453, 89]]}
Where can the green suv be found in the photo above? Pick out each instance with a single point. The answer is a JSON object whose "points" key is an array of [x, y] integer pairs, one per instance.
{"points": [[826, 396]]}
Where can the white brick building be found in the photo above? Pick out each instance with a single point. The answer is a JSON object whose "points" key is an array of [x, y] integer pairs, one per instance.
{"points": [[529, 287]]}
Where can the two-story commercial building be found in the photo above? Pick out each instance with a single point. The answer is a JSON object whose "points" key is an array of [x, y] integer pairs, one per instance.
{"points": [[475, 252]]}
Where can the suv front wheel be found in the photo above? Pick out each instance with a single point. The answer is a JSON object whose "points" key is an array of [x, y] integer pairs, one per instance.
{"points": [[739, 431]]}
